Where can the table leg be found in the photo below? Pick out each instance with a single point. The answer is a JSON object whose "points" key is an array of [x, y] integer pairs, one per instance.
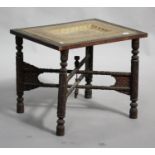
{"points": [[62, 94], [134, 78], [89, 67], [19, 75], [76, 92]]}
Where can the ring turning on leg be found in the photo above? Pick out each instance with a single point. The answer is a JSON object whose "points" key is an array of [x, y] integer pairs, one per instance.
{"points": [[20, 74], [89, 67], [62, 94], [76, 92], [134, 78]]}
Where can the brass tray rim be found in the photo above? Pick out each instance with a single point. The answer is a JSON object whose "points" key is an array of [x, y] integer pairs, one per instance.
{"points": [[58, 46]]}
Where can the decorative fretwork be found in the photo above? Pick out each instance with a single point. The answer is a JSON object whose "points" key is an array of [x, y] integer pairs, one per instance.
{"points": [[31, 80], [31, 74]]}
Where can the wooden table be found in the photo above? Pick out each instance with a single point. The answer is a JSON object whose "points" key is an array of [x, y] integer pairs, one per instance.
{"points": [[66, 36]]}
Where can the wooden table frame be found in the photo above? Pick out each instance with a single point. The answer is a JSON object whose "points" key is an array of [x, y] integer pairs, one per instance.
{"points": [[27, 77]]}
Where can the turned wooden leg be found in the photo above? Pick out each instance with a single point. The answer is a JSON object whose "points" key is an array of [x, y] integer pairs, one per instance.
{"points": [[89, 67], [62, 94], [76, 92], [134, 78], [19, 75]]}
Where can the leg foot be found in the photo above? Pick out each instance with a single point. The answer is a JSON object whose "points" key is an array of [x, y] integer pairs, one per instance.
{"points": [[133, 110], [88, 93], [20, 108], [20, 105], [60, 130], [76, 93]]}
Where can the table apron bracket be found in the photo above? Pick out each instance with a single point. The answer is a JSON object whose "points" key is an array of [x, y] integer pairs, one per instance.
{"points": [[122, 81], [31, 74]]}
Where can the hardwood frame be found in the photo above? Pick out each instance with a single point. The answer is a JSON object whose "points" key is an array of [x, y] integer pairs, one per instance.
{"points": [[27, 75], [134, 78], [89, 67], [20, 75], [27, 79], [62, 94]]}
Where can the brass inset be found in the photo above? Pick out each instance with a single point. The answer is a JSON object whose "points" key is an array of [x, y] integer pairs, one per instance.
{"points": [[83, 31]]}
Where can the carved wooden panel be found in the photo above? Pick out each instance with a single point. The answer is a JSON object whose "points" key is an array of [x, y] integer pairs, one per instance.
{"points": [[31, 74], [122, 81]]}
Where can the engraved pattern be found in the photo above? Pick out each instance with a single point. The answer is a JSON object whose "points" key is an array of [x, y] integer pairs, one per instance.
{"points": [[77, 32]]}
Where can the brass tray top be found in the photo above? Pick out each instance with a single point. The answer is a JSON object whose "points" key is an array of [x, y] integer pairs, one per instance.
{"points": [[78, 34]]}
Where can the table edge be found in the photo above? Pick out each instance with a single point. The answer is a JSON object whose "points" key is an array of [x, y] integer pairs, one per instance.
{"points": [[61, 47]]}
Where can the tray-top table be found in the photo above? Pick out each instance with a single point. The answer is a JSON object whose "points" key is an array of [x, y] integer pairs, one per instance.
{"points": [[66, 36]]}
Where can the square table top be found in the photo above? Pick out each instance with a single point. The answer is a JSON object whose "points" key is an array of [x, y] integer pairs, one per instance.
{"points": [[78, 34]]}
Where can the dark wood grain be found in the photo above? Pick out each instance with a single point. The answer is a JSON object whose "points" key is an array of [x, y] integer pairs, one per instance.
{"points": [[76, 63], [19, 75], [62, 92], [89, 67], [134, 78]]}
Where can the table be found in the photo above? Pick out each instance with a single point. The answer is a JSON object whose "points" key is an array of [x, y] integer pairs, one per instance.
{"points": [[66, 36]]}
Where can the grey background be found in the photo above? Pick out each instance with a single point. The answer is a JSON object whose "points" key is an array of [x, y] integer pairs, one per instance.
{"points": [[100, 122]]}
